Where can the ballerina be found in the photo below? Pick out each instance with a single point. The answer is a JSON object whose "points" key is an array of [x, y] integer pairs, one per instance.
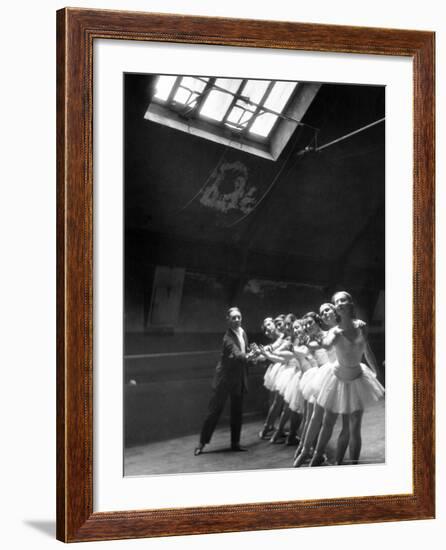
{"points": [[289, 385], [279, 321], [271, 331], [320, 359], [348, 386], [311, 382], [293, 394], [284, 369]]}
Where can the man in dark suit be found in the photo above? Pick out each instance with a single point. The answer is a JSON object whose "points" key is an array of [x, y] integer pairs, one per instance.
{"points": [[230, 380]]}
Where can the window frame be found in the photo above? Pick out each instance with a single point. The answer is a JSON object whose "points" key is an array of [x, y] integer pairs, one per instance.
{"points": [[168, 113]]}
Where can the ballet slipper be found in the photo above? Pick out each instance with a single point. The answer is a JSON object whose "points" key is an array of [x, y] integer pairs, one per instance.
{"points": [[277, 437], [265, 431], [298, 450], [318, 459], [303, 456]]}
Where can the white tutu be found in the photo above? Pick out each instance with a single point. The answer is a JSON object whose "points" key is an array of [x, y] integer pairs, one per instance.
{"points": [[267, 378], [284, 377], [293, 395], [270, 378], [344, 390], [312, 379], [311, 386], [305, 381]]}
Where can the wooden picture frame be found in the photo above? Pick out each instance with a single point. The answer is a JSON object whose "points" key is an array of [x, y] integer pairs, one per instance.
{"points": [[76, 31]]}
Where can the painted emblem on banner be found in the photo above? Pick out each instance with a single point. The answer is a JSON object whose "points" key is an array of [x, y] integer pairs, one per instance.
{"points": [[228, 189]]}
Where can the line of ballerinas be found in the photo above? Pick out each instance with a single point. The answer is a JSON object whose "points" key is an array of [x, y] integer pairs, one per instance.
{"points": [[315, 374]]}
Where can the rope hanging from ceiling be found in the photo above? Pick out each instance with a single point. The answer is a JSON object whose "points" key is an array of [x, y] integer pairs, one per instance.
{"points": [[337, 140]]}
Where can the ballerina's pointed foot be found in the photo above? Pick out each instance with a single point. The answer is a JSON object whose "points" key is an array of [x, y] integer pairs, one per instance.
{"points": [[300, 459], [318, 459], [265, 431], [298, 450], [277, 437]]}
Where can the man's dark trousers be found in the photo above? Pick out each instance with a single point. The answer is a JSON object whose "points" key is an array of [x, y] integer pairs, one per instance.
{"points": [[230, 380], [216, 405]]}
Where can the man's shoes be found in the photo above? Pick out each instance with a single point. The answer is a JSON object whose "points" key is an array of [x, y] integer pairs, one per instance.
{"points": [[236, 448], [198, 450]]}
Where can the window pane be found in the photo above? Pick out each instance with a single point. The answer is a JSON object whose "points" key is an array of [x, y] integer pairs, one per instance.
{"points": [[181, 96], [263, 124], [164, 85], [218, 101], [279, 95], [189, 88], [255, 90], [238, 117], [235, 115], [245, 118]]}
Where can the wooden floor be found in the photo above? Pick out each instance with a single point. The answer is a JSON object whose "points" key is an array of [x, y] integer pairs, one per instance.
{"points": [[176, 456]]}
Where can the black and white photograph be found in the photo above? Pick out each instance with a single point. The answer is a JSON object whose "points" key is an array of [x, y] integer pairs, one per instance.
{"points": [[254, 274]]}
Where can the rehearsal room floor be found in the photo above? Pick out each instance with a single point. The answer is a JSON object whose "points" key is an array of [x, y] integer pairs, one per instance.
{"points": [[177, 455]]}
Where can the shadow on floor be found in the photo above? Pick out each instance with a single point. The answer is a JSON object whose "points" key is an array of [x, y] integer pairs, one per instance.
{"points": [[47, 527]]}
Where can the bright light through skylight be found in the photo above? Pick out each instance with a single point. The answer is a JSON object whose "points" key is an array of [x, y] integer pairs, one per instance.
{"points": [[263, 124], [279, 95], [255, 116], [255, 90], [219, 100], [276, 101], [239, 117], [246, 105], [236, 103], [189, 89], [164, 86]]}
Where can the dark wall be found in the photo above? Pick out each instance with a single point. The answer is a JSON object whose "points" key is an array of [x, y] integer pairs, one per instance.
{"points": [[168, 397]]}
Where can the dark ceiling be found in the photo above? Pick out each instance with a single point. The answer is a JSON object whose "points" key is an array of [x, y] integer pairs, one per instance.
{"points": [[323, 212]]}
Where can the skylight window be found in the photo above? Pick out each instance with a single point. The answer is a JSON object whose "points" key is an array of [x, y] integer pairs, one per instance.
{"points": [[238, 104], [243, 113], [276, 101], [263, 124], [279, 95], [247, 105], [220, 98], [189, 90], [164, 86]]}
